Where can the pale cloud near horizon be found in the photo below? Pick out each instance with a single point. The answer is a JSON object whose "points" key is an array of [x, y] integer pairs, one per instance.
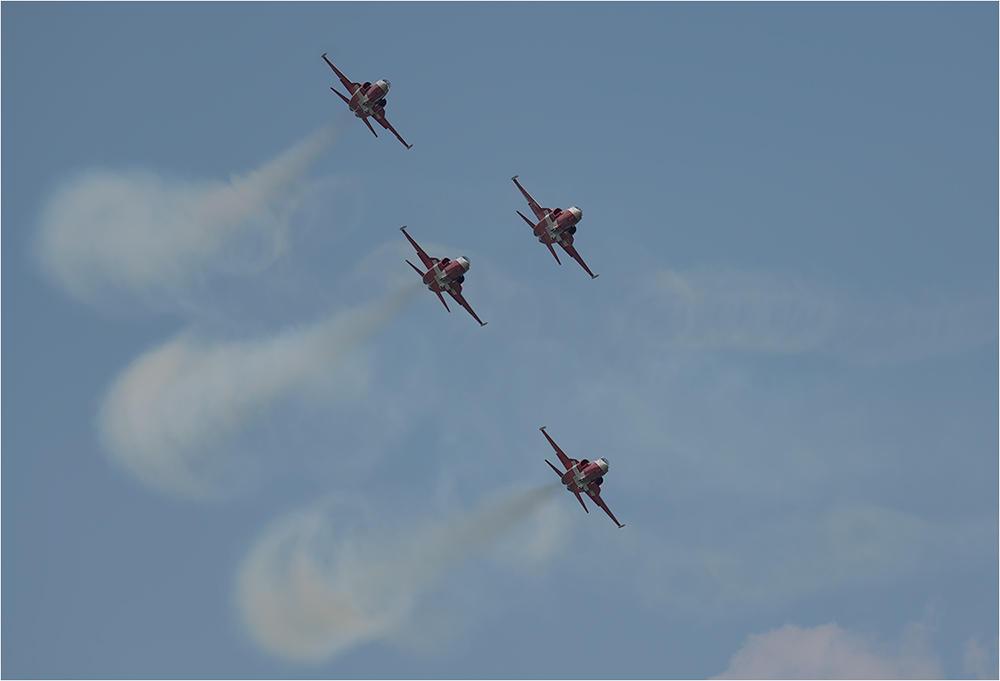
{"points": [[828, 651], [979, 660], [105, 233]]}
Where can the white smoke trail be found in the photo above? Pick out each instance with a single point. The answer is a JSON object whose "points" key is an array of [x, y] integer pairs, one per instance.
{"points": [[136, 232], [162, 417], [305, 594]]}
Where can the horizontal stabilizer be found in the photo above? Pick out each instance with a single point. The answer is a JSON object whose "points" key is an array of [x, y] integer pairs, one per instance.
{"points": [[530, 223], [346, 100]]}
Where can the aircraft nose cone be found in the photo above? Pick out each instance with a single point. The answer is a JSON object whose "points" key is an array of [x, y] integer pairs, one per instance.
{"points": [[464, 262], [577, 212], [386, 84]]}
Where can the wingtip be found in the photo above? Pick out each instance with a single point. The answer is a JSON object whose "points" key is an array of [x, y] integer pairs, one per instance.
{"points": [[403, 228], [543, 428], [483, 323], [409, 146], [595, 276], [515, 177], [323, 56]]}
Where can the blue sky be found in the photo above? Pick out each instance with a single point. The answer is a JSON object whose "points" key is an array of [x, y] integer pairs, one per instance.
{"points": [[242, 441]]}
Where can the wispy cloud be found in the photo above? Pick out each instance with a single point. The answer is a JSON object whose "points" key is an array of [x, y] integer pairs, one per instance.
{"points": [[979, 660], [316, 584], [166, 419], [106, 233], [779, 561], [722, 308], [831, 652]]}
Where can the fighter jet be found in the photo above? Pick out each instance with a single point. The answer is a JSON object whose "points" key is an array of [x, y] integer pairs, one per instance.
{"points": [[443, 276], [366, 99], [554, 227], [582, 477]]}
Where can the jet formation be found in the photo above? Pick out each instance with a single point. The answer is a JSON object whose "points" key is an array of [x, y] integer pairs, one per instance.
{"points": [[444, 275]]}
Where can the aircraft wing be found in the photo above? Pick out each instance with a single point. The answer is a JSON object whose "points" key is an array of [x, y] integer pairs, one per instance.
{"points": [[563, 459], [461, 301], [428, 261], [569, 248], [532, 204], [380, 117], [595, 495], [345, 81]]}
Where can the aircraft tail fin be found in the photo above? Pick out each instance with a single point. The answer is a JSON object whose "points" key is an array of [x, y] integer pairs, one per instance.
{"points": [[415, 268], [368, 123], [554, 468], [580, 499], [553, 252], [530, 223]]}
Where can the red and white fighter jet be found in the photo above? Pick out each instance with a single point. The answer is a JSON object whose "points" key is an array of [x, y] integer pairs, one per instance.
{"points": [[366, 99], [555, 227], [443, 276], [582, 477]]}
